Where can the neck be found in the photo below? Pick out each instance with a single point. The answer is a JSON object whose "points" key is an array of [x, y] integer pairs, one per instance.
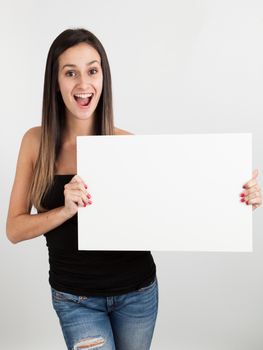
{"points": [[77, 127]]}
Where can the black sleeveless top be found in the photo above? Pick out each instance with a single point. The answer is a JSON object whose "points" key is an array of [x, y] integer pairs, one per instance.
{"points": [[98, 273]]}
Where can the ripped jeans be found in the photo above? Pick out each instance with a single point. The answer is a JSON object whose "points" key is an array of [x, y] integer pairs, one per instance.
{"points": [[122, 322]]}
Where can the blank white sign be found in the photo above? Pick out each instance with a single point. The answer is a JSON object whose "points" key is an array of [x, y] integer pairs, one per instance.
{"points": [[165, 192]]}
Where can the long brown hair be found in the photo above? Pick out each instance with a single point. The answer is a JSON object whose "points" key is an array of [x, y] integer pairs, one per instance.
{"points": [[53, 111]]}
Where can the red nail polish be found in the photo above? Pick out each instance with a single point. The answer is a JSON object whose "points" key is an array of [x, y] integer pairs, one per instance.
{"points": [[246, 202], [244, 186], [242, 194], [242, 200], [86, 186]]}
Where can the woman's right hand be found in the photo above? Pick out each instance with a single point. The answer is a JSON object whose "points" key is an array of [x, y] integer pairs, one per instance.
{"points": [[76, 195]]}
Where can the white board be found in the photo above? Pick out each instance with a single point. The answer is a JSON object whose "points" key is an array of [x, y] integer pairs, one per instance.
{"points": [[165, 192]]}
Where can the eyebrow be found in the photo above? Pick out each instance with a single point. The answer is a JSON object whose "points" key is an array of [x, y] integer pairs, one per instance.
{"points": [[73, 65]]}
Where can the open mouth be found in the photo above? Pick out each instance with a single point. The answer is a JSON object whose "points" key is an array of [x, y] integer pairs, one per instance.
{"points": [[83, 100]]}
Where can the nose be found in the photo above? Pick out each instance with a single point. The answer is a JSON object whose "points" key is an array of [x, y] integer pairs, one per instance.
{"points": [[83, 80]]}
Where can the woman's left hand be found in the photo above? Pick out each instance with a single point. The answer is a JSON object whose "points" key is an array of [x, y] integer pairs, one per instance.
{"points": [[252, 192]]}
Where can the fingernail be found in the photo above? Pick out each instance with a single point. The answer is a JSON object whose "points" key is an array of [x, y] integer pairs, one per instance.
{"points": [[244, 186], [88, 195], [86, 186], [246, 202], [85, 204], [242, 194], [90, 202], [242, 200]]}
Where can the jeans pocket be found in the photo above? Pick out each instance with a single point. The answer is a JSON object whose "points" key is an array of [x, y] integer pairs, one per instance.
{"points": [[59, 296]]}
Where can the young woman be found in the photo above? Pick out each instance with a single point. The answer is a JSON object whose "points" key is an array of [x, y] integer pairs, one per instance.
{"points": [[105, 299]]}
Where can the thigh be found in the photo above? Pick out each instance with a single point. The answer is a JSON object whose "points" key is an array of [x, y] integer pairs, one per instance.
{"points": [[134, 316], [84, 321]]}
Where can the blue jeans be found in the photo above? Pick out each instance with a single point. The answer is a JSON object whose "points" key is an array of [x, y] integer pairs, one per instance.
{"points": [[122, 322]]}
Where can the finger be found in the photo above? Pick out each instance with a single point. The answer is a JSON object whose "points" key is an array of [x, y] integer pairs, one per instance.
{"points": [[82, 197], [255, 173], [78, 179], [79, 199], [253, 189], [250, 184], [75, 186], [77, 191], [252, 195], [86, 199], [76, 198], [256, 200]]}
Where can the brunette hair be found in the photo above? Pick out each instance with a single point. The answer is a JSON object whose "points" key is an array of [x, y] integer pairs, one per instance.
{"points": [[53, 111]]}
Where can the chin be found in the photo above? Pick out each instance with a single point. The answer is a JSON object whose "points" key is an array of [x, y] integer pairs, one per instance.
{"points": [[81, 115]]}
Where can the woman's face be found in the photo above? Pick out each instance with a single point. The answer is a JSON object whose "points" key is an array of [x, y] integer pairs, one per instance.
{"points": [[80, 80]]}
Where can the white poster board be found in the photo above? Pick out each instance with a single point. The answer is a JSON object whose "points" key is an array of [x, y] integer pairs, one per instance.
{"points": [[165, 192]]}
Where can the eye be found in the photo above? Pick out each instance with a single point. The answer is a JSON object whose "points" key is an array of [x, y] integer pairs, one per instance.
{"points": [[94, 69], [68, 73]]}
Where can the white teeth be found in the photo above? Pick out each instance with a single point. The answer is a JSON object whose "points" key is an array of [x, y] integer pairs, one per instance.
{"points": [[83, 95]]}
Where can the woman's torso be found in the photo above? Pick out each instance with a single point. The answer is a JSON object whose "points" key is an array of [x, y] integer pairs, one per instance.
{"points": [[88, 272]]}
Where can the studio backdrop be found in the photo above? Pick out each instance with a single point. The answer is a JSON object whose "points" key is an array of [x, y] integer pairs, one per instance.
{"points": [[177, 67]]}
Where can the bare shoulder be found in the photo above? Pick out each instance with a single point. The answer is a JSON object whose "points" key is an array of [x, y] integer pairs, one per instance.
{"points": [[24, 170], [31, 143], [34, 133], [118, 131]]}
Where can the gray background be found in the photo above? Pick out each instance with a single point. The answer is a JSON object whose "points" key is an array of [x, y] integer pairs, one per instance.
{"points": [[177, 67]]}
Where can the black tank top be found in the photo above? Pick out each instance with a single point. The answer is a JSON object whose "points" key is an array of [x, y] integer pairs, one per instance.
{"points": [[98, 273]]}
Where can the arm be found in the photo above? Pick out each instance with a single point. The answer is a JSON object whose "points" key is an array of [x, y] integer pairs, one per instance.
{"points": [[20, 224], [21, 227]]}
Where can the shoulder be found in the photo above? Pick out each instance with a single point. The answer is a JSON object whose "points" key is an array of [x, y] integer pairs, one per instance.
{"points": [[31, 143], [118, 131], [32, 136], [34, 133]]}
